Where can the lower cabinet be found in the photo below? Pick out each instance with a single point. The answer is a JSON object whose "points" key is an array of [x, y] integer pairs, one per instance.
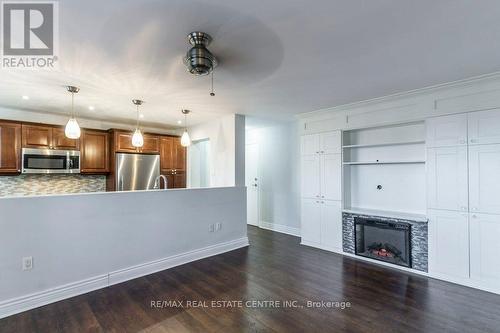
{"points": [[449, 243], [484, 250], [322, 223]]}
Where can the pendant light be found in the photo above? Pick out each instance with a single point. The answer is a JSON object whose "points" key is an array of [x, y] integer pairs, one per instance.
{"points": [[185, 139], [137, 138], [72, 129]]}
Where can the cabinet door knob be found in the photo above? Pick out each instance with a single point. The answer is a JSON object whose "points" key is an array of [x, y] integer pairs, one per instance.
{"points": [[317, 201], [463, 208], [322, 152], [474, 208], [322, 202], [474, 216], [472, 141], [317, 152], [462, 141]]}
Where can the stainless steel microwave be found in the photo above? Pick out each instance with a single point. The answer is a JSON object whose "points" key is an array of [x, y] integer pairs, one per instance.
{"points": [[50, 161]]}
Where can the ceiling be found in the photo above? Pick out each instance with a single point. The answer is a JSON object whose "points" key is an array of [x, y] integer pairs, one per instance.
{"points": [[277, 58]]}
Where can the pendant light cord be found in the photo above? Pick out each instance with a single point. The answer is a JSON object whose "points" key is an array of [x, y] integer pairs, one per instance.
{"points": [[137, 118], [73, 105]]}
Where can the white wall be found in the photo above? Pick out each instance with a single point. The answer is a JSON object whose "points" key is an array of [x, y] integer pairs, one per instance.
{"points": [[279, 188], [86, 241], [227, 137]]}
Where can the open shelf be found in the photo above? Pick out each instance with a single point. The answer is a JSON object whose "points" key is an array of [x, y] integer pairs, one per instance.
{"points": [[385, 144], [383, 162]]}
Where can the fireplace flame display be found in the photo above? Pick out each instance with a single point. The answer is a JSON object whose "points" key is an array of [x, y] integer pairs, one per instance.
{"points": [[384, 250]]}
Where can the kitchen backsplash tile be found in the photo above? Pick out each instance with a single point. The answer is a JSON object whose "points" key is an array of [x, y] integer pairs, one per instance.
{"points": [[24, 185]]}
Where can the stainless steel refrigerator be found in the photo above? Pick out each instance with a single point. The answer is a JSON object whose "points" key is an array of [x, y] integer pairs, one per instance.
{"points": [[136, 171]]}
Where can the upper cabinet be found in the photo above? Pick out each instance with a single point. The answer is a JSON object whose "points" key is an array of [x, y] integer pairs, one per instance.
{"points": [[180, 155], [10, 147], [123, 143], [47, 137], [447, 131], [94, 152], [484, 127], [321, 166], [324, 143]]}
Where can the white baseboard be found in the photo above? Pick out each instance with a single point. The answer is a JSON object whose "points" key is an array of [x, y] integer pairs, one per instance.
{"points": [[130, 273], [284, 229], [28, 302]]}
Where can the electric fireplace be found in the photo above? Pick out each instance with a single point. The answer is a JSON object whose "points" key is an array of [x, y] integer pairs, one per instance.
{"points": [[383, 240]]}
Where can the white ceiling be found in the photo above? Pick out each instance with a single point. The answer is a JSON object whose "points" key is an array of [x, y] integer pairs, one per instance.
{"points": [[277, 57]]}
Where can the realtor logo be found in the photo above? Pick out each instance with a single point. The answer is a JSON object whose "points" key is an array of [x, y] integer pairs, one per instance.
{"points": [[29, 34]]}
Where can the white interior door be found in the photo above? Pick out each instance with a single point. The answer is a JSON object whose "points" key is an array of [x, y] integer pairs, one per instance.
{"points": [[252, 183]]}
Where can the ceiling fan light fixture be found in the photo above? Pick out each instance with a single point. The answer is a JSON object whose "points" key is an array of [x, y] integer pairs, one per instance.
{"points": [[199, 60]]}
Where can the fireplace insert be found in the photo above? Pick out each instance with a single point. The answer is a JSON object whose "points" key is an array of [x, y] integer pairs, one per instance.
{"points": [[383, 240]]}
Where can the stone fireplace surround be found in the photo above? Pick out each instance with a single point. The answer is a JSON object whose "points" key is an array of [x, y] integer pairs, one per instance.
{"points": [[418, 237]]}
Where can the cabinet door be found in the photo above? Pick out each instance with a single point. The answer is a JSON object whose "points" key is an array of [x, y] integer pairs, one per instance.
{"points": [[331, 176], [180, 155], [10, 146], [179, 179], [166, 154], [94, 152], [484, 127], [449, 243], [330, 143], [447, 186], [311, 221], [151, 144], [309, 144], [484, 179], [447, 131], [60, 141], [123, 142], [331, 224], [35, 136], [310, 176], [484, 249]]}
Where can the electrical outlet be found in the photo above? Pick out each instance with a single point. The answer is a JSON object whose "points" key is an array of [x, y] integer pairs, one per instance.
{"points": [[211, 228], [27, 263], [218, 226]]}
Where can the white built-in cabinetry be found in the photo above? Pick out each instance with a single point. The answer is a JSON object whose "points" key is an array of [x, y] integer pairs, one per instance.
{"points": [[463, 178], [321, 169]]}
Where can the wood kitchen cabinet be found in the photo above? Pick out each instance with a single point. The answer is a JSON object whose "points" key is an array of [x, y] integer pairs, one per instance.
{"points": [[10, 148], [94, 152], [123, 143], [47, 137], [173, 161]]}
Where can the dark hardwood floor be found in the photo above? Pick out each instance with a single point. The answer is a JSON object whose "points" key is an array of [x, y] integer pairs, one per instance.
{"points": [[274, 268]]}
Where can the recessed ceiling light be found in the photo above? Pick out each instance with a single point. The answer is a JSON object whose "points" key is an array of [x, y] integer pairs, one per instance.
{"points": [[179, 122], [91, 108], [25, 97], [141, 116]]}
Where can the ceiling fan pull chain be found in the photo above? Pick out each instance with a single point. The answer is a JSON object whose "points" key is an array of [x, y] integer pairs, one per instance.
{"points": [[212, 93]]}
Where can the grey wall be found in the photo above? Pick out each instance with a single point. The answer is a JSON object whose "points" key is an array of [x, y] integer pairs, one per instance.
{"points": [[73, 238]]}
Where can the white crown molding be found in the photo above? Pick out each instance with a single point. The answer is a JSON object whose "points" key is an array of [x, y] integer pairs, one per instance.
{"points": [[416, 93]]}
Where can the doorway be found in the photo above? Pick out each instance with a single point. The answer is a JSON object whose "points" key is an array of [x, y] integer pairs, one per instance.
{"points": [[252, 182], [199, 163]]}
